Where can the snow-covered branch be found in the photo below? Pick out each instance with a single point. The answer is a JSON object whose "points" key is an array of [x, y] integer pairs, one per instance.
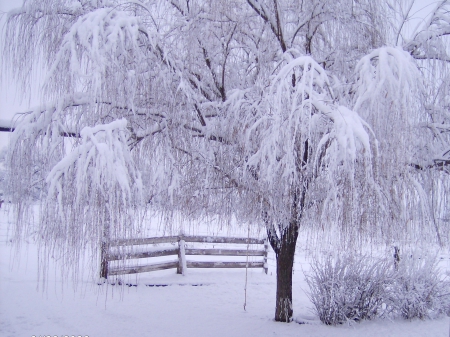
{"points": [[427, 43]]}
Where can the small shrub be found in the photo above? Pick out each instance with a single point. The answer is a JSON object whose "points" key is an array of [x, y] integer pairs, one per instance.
{"points": [[347, 288], [351, 288], [417, 290]]}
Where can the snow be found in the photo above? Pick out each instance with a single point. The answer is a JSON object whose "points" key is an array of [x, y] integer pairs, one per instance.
{"points": [[202, 303], [394, 73], [102, 26]]}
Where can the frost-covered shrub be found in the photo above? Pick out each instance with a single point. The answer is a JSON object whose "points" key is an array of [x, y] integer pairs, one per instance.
{"points": [[347, 288], [352, 288], [417, 289]]}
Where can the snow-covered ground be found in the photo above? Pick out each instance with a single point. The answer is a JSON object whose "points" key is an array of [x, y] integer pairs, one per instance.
{"points": [[202, 303]]}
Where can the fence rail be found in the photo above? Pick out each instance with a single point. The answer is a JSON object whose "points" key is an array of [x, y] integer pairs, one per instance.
{"points": [[143, 269], [172, 239], [181, 251]]}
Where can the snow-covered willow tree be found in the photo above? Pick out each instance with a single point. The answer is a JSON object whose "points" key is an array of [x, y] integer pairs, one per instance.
{"points": [[328, 114]]}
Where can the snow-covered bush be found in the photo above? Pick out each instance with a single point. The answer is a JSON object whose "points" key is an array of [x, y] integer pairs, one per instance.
{"points": [[353, 288], [418, 290], [347, 288]]}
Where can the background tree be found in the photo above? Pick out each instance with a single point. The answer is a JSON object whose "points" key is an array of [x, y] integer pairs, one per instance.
{"points": [[285, 113]]}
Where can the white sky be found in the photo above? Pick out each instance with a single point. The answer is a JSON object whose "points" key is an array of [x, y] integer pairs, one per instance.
{"points": [[10, 98]]}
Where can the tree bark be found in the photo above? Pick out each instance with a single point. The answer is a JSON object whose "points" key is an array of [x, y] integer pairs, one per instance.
{"points": [[285, 263], [104, 260], [104, 246], [283, 244]]}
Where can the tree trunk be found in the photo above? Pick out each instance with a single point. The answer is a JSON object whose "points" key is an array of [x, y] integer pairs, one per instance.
{"points": [[285, 261], [284, 247], [104, 251], [104, 246]]}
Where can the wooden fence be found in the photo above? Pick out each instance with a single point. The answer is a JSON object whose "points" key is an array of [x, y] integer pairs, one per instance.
{"points": [[181, 251]]}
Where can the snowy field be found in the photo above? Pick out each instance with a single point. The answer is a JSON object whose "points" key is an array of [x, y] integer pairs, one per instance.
{"points": [[202, 303]]}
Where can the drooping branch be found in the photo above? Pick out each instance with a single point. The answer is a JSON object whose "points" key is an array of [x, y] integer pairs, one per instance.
{"points": [[428, 44]]}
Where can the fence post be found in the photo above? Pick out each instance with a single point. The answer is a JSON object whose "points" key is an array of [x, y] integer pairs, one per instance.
{"points": [[266, 252], [181, 257]]}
